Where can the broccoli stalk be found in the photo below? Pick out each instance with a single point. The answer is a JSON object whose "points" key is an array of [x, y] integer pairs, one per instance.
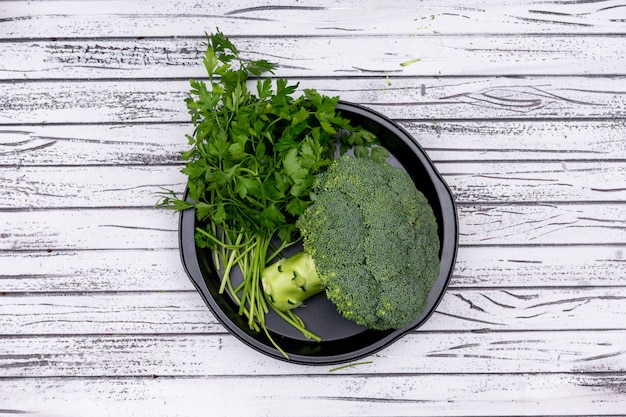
{"points": [[290, 281], [370, 242]]}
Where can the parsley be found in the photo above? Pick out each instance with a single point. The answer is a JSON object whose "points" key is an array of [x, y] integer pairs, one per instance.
{"points": [[410, 62], [251, 163]]}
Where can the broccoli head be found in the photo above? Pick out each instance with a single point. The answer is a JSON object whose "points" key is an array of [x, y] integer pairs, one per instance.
{"points": [[370, 239]]}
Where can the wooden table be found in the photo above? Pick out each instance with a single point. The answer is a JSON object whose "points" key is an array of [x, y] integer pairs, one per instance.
{"points": [[521, 104]]}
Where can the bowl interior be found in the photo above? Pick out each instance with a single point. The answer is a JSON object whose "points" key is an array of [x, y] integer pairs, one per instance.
{"points": [[342, 340]]}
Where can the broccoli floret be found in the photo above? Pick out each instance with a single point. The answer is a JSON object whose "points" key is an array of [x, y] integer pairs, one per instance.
{"points": [[370, 240]]}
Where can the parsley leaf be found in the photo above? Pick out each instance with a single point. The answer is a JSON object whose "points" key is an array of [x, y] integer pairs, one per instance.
{"points": [[251, 164]]}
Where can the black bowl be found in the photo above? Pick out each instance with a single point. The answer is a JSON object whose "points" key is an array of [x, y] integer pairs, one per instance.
{"points": [[342, 340]]}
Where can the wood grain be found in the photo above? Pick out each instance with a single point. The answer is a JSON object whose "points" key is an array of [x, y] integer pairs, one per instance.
{"points": [[444, 141], [515, 309], [371, 395], [89, 145], [480, 225], [427, 99], [322, 18], [436, 55], [92, 271], [89, 229], [40, 271], [202, 355], [554, 266], [478, 182], [520, 104]]}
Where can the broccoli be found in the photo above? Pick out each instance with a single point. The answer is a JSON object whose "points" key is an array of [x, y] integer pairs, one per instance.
{"points": [[370, 241]]}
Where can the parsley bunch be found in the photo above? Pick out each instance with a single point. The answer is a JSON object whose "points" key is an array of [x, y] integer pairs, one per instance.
{"points": [[251, 165]]}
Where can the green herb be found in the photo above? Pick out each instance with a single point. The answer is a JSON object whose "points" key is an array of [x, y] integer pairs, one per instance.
{"points": [[410, 62], [350, 365], [250, 167]]}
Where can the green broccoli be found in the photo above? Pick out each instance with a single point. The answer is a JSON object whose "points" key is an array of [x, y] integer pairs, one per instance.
{"points": [[370, 241]]}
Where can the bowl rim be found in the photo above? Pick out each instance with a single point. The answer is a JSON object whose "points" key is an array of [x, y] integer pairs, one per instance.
{"points": [[448, 252]]}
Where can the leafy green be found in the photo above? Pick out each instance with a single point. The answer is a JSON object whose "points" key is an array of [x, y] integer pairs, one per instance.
{"points": [[253, 155]]}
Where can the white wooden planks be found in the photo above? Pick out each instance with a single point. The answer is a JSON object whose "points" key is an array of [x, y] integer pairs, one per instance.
{"points": [[475, 183], [68, 271], [322, 394], [515, 309], [433, 353], [520, 104], [480, 225], [445, 141], [407, 55], [60, 19], [79, 271], [424, 98]]}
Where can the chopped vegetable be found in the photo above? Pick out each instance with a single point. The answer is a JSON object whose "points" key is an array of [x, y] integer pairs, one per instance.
{"points": [[370, 241]]}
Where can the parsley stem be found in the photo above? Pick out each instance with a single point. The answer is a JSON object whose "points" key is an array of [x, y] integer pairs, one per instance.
{"points": [[218, 241], [232, 258], [291, 318], [278, 251]]}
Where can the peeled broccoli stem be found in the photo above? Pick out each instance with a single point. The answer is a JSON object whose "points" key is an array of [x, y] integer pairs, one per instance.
{"points": [[288, 282]]}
